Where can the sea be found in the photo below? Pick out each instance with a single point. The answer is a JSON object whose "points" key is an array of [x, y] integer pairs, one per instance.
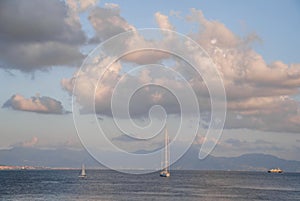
{"points": [[107, 185]]}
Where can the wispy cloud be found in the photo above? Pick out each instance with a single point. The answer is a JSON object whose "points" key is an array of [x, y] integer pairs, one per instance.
{"points": [[27, 143]]}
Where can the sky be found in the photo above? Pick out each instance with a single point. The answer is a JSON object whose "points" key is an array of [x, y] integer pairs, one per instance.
{"points": [[252, 47]]}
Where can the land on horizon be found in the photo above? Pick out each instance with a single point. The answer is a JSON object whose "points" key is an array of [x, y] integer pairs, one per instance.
{"points": [[34, 158]]}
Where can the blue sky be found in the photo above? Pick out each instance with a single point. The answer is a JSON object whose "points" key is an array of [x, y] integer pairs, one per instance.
{"points": [[37, 64]]}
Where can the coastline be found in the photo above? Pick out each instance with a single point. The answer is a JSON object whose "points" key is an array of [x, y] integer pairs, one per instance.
{"points": [[13, 167]]}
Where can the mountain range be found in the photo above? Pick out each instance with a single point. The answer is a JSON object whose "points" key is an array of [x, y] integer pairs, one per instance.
{"points": [[245, 162], [70, 158]]}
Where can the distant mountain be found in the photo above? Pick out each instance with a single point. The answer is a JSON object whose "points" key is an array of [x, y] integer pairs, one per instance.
{"points": [[246, 162], [20, 156]]}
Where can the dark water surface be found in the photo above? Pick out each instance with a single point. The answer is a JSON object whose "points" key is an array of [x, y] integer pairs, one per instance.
{"points": [[182, 185]]}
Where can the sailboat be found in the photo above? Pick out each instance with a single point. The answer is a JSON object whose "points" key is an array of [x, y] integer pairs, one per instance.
{"points": [[82, 174], [165, 172]]}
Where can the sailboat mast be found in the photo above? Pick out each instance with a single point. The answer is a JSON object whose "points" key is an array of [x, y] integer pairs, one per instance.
{"points": [[166, 149], [165, 172]]}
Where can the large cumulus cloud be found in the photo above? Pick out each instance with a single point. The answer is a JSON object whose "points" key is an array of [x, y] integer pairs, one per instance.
{"points": [[36, 34], [259, 94], [105, 81]]}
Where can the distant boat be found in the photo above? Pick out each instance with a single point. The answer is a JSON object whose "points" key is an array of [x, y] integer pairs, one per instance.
{"points": [[275, 170], [165, 172], [82, 174]]}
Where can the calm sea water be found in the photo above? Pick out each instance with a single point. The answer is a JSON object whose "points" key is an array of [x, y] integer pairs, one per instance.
{"points": [[182, 185]]}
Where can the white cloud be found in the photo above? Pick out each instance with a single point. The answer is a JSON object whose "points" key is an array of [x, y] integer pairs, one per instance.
{"points": [[107, 23], [254, 88], [163, 21], [37, 104], [88, 79], [85, 4], [81, 5], [142, 100]]}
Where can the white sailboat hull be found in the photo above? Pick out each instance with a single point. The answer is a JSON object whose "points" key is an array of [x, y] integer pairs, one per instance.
{"points": [[164, 174]]}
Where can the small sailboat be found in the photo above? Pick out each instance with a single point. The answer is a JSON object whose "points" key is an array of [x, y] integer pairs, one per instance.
{"points": [[165, 172], [82, 174]]}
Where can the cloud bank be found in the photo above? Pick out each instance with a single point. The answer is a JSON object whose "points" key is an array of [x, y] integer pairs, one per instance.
{"points": [[259, 95]]}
